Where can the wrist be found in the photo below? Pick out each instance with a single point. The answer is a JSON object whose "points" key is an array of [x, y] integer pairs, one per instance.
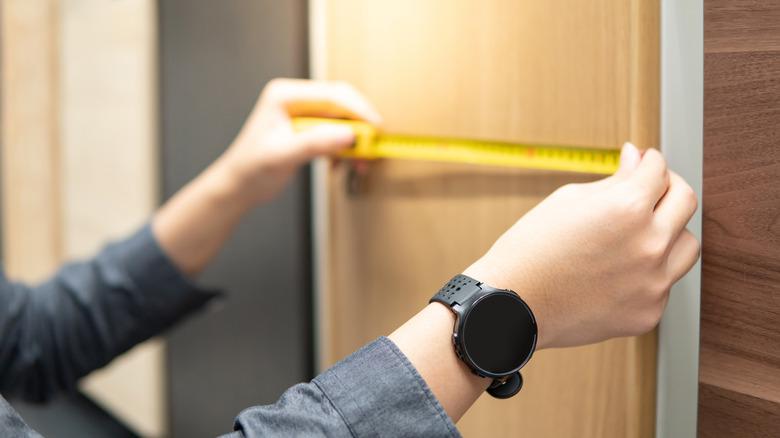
{"points": [[224, 189], [232, 182], [426, 340]]}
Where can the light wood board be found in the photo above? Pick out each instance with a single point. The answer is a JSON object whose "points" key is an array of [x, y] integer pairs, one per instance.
{"points": [[79, 157], [570, 72]]}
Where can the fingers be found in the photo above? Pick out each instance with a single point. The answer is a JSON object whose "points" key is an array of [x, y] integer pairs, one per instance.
{"points": [[651, 176], [325, 139], [677, 206], [318, 98], [683, 255]]}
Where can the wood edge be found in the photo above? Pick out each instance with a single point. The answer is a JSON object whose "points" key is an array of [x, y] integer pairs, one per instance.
{"points": [[320, 202], [645, 73], [22, 255], [644, 131]]}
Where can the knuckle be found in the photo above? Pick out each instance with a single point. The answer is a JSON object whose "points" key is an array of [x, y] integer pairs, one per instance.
{"points": [[663, 288], [691, 198], [631, 203], [661, 161], [654, 250], [660, 289]]}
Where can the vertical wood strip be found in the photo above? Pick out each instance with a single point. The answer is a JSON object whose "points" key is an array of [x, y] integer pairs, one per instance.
{"points": [[109, 184], [644, 131], [79, 160], [645, 76], [320, 205], [32, 239]]}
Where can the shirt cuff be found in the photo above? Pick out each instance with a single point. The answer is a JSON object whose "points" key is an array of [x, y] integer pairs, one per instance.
{"points": [[377, 390]]}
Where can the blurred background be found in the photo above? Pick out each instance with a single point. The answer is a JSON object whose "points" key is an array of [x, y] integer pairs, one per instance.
{"points": [[109, 107]]}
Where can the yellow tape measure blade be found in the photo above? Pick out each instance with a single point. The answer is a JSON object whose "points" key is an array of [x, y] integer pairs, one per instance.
{"points": [[369, 144]]}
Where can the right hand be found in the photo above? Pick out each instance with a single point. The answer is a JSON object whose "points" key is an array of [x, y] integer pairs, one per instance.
{"points": [[597, 260]]}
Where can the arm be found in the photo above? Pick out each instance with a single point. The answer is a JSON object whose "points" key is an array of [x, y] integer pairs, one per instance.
{"points": [[593, 261], [195, 223], [90, 312]]}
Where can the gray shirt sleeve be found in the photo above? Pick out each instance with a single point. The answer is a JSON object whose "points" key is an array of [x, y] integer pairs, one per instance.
{"points": [[374, 392], [89, 312]]}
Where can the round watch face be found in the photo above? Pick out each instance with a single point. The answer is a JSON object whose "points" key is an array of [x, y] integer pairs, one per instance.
{"points": [[499, 333]]}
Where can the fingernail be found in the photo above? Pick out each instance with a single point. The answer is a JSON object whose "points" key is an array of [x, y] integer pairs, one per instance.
{"points": [[629, 155]]}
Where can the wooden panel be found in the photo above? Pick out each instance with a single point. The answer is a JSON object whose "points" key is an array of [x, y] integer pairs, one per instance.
{"points": [[741, 26], [506, 66], [725, 413], [740, 326], [79, 156], [109, 166], [30, 138], [565, 72]]}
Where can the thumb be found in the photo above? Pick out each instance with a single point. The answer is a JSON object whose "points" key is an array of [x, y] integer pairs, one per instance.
{"points": [[629, 159], [321, 140]]}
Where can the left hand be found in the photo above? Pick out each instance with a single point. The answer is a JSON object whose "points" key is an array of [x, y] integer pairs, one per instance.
{"points": [[268, 151]]}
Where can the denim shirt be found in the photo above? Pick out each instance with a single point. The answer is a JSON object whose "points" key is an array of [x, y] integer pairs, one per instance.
{"points": [[89, 312]]}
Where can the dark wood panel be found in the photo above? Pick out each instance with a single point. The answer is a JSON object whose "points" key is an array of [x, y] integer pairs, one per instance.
{"points": [[741, 25], [740, 316], [725, 413], [741, 261]]}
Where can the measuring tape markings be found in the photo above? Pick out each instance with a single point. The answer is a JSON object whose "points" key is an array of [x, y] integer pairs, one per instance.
{"points": [[370, 145]]}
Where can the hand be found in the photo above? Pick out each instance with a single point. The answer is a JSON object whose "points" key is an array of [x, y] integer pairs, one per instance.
{"points": [[194, 224], [597, 260], [268, 151]]}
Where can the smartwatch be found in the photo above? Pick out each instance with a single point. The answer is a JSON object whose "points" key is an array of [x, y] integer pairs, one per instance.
{"points": [[495, 331]]}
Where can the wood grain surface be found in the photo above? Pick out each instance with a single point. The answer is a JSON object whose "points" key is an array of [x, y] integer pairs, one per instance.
{"points": [[561, 72], [740, 327], [80, 160], [32, 213]]}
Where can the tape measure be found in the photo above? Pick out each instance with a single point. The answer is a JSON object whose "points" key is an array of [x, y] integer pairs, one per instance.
{"points": [[370, 145]]}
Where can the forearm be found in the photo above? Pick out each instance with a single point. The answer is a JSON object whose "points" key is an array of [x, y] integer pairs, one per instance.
{"points": [[193, 225]]}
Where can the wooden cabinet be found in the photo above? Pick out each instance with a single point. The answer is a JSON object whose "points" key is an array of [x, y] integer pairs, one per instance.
{"points": [[581, 73], [739, 378]]}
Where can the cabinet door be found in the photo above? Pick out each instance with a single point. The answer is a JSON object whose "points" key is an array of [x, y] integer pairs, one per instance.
{"points": [[582, 73], [739, 366]]}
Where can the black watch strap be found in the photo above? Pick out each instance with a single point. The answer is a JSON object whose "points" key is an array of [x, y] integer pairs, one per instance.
{"points": [[457, 291]]}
